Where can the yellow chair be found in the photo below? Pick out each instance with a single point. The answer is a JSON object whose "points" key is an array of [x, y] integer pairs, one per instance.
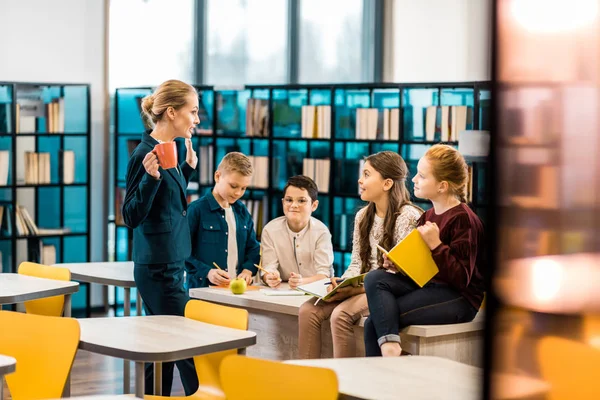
{"points": [[252, 378], [44, 348], [51, 306], [571, 369], [207, 366]]}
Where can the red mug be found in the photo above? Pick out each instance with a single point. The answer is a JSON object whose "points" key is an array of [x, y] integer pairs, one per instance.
{"points": [[167, 154]]}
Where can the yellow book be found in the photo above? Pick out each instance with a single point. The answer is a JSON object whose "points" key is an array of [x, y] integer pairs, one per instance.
{"points": [[413, 258]]}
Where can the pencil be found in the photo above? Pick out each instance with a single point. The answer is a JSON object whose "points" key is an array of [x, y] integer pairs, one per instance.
{"points": [[262, 269], [215, 264]]}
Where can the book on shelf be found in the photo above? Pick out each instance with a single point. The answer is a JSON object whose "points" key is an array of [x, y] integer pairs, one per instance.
{"points": [[444, 123], [25, 225], [259, 212], [205, 165], [413, 258], [257, 118], [119, 198], [318, 171], [4, 167], [316, 122], [375, 124], [260, 178], [68, 167]]}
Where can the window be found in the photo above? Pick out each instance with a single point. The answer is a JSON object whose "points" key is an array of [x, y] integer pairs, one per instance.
{"points": [[151, 41], [331, 34], [246, 42]]}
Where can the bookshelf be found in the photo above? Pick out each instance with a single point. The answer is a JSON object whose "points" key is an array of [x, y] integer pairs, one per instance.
{"points": [[45, 176], [324, 131]]}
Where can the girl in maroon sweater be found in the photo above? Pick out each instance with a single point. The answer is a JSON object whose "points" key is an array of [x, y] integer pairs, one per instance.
{"points": [[454, 234]]}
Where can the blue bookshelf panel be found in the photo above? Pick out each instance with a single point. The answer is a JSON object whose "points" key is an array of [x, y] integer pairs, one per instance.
{"points": [[287, 162], [386, 98], [415, 103], [225, 146], [346, 103], [320, 97], [206, 100], [5, 195], [79, 146], [126, 143], [231, 111], [347, 157], [51, 144], [345, 210], [6, 118], [377, 147], [485, 109], [287, 112], [75, 208], [6, 254], [6, 145], [122, 252], [341, 260], [48, 212], [75, 250], [457, 97], [76, 109], [129, 110]]}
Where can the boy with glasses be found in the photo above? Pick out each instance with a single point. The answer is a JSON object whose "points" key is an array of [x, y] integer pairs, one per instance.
{"points": [[296, 247]]}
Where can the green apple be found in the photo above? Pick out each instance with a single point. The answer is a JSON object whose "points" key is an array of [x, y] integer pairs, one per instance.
{"points": [[238, 286]]}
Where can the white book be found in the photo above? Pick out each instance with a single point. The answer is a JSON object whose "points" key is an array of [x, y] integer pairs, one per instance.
{"points": [[317, 288], [281, 292]]}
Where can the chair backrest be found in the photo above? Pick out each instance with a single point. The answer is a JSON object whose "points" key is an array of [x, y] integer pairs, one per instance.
{"points": [[253, 378], [50, 306], [44, 348], [571, 369], [207, 366]]}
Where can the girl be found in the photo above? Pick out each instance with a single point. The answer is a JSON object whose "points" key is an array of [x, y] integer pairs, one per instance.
{"points": [[155, 207], [386, 220], [455, 236]]}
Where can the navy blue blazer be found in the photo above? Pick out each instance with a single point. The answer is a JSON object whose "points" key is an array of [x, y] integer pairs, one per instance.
{"points": [[156, 209]]}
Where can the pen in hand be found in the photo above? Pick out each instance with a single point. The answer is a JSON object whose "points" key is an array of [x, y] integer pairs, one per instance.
{"points": [[338, 281]]}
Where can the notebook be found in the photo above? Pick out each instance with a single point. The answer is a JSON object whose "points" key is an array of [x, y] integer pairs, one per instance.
{"points": [[413, 258], [319, 288]]}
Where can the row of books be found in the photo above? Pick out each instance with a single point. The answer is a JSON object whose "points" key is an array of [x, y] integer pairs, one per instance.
{"points": [[23, 223], [316, 122], [34, 115], [260, 178], [257, 118], [375, 124], [206, 165], [446, 122], [318, 171], [38, 168], [259, 212]]}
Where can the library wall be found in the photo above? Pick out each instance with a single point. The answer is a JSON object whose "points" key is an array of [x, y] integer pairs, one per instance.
{"points": [[63, 41], [440, 41]]}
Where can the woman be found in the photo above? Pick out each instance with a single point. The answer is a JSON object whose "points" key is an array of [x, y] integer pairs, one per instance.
{"points": [[155, 207]]}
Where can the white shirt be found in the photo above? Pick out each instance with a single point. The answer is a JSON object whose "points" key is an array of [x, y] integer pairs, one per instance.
{"points": [[232, 250], [312, 254], [405, 223]]}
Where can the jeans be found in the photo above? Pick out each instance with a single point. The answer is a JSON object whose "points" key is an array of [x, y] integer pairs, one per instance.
{"points": [[396, 302], [161, 288]]}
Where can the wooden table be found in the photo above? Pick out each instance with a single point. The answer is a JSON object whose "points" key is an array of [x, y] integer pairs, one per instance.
{"points": [[115, 274], [273, 318], [7, 366], [157, 339], [415, 378], [512, 387], [17, 288]]}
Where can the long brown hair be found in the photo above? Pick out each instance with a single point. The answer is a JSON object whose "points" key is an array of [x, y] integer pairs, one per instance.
{"points": [[391, 166], [447, 164]]}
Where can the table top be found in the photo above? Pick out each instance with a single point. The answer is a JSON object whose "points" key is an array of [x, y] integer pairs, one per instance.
{"points": [[16, 288], [509, 386], [564, 284], [158, 338], [104, 273], [252, 299], [7, 365], [411, 377]]}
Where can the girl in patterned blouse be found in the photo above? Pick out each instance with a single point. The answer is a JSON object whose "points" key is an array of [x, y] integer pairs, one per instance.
{"points": [[388, 217]]}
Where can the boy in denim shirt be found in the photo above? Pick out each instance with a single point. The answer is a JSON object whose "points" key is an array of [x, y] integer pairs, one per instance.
{"points": [[222, 229]]}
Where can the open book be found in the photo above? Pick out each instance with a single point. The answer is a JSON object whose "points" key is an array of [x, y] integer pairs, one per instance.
{"points": [[319, 288], [413, 258]]}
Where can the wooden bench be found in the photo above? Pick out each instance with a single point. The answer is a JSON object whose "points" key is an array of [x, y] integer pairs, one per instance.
{"points": [[275, 321], [458, 342]]}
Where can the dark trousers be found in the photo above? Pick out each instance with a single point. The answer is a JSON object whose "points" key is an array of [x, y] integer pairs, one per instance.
{"points": [[396, 302], [161, 288]]}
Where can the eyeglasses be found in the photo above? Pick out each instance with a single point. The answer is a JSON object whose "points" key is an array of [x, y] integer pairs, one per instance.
{"points": [[288, 201]]}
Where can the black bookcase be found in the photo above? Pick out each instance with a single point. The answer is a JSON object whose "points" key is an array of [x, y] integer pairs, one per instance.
{"points": [[45, 176]]}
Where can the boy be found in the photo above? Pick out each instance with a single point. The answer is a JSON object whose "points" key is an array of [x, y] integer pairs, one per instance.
{"points": [[222, 229], [297, 247]]}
